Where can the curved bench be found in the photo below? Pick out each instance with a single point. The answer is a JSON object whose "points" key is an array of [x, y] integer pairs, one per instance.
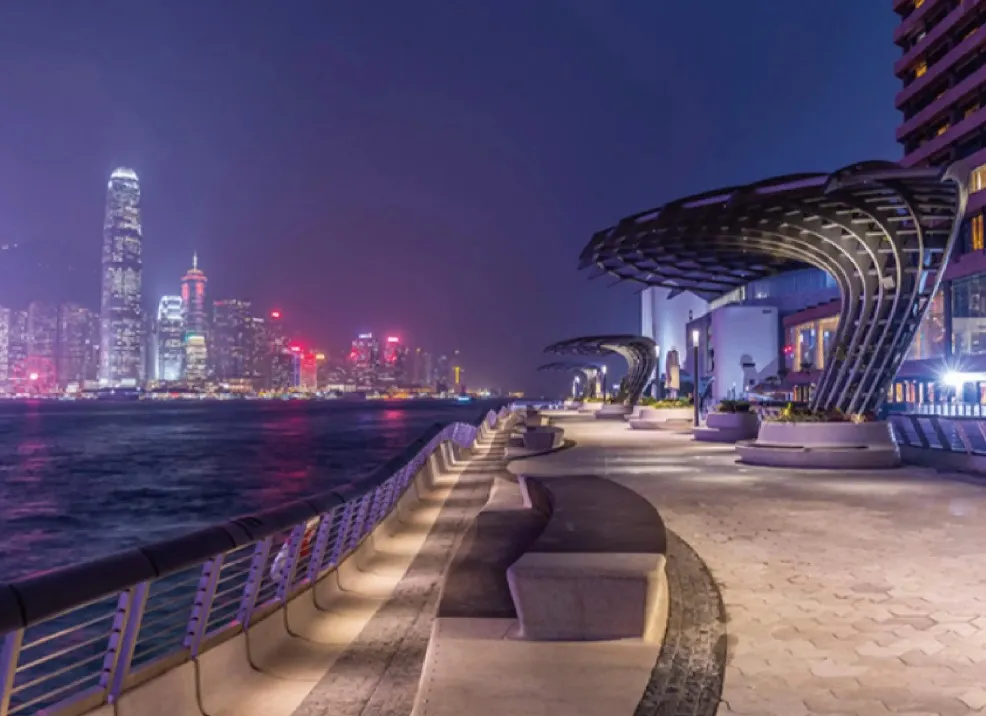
{"points": [[475, 584], [577, 558], [849, 446], [597, 570], [663, 419]]}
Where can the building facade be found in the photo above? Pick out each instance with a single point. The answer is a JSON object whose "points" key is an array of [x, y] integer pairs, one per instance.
{"points": [[77, 347], [170, 340], [231, 340], [121, 316]]}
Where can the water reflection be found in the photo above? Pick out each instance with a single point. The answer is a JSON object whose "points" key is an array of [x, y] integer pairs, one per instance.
{"points": [[79, 480]]}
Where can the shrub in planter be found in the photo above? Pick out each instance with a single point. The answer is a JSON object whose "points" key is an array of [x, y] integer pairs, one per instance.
{"points": [[672, 403], [733, 406], [792, 414]]}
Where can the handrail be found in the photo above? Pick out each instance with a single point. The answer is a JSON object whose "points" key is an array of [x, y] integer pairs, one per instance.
{"points": [[73, 636]]}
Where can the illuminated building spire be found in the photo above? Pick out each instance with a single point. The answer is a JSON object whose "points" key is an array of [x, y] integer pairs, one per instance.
{"points": [[195, 259]]}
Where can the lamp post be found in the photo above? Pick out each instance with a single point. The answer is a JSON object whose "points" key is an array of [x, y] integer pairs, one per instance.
{"points": [[604, 383], [695, 391], [657, 372]]}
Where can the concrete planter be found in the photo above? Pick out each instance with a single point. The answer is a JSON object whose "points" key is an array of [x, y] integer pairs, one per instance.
{"points": [[825, 445], [728, 427], [663, 418], [611, 411]]}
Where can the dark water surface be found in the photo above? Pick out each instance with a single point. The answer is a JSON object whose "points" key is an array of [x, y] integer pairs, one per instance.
{"points": [[82, 480]]}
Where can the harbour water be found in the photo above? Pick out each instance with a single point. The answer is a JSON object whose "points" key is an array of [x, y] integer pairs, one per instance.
{"points": [[82, 480]]}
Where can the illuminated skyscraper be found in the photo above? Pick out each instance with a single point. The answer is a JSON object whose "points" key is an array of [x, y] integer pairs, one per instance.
{"points": [[231, 339], [76, 345], [196, 322], [5, 316], [17, 351], [170, 339], [193, 298], [120, 308], [42, 345], [365, 359]]}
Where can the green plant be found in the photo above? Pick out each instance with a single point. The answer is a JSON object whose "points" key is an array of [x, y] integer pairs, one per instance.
{"points": [[733, 406], [794, 414], [672, 403]]}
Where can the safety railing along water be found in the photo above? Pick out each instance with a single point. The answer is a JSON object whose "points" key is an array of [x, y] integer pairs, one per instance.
{"points": [[78, 637]]}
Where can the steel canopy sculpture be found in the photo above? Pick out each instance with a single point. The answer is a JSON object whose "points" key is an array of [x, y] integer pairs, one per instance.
{"points": [[883, 232], [638, 351], [589, 374]]}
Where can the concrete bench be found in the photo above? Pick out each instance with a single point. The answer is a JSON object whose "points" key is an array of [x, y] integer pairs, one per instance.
{"points": [[597, 571], [543, 438], [475, 585]]}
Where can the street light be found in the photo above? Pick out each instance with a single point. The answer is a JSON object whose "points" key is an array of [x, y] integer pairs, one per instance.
{"points": [[657, 371], [695, 376], [604, 383]]}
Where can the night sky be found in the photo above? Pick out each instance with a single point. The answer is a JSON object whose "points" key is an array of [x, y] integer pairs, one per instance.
{"points": [[426, 167]]}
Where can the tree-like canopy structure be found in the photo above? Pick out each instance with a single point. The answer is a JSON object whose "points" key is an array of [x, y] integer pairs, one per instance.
{"points": [[882, 231], [637, 350]]}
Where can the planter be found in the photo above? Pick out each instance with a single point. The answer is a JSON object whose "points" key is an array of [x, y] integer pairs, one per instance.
{"points": [[663, 418], [823, 445], [611, 411], [728, 427]]}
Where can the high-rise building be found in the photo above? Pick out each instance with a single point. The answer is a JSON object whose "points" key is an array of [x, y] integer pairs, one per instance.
{"points": [[231, 339], [5, 315], [259, 357], [193, 299], [17, 372], [443, 374], [196, 323], [196, 358], [394, 365], [308, 374], [76, 341], [42, 346], [170, 339], [121, 321], [364, 359]]}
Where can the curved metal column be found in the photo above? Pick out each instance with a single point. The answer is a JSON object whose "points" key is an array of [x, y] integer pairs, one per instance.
{"points": [[884, 233], [638, 351]]}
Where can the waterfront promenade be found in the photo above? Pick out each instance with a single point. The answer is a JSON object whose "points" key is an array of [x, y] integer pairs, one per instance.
{"points": [[843, 593]]}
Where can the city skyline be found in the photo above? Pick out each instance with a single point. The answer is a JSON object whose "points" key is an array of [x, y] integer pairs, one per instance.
{"points": [[450, 173]]}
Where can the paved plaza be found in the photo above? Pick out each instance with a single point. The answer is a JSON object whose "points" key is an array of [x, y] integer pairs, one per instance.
{"points": [[844, 593]]}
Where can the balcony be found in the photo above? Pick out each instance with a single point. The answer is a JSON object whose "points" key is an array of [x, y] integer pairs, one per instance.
{"points": [[950, 98], [958, 53], [939, 31], [907, 26], [954, 133]]}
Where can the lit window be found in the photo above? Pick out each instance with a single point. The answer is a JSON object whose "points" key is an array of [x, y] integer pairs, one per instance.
{"points": [[976, 235], [920, 69], [942, 128], [977, 178], [971, 109], [918, 3]]}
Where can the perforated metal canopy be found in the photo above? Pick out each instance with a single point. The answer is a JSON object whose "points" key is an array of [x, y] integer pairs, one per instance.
{"points": [[589, 374], [883, 232], [638, 351]]}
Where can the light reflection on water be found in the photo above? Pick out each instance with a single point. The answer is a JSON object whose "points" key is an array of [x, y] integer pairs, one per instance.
{"points": [[81, 480]]}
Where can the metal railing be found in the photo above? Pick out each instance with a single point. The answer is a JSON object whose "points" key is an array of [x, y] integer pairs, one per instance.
{"points": [[957, 434], [74, 638], [959, 410]]}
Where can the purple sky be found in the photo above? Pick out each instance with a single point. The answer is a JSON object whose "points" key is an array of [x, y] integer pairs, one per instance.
{"points": [[431, 167]]}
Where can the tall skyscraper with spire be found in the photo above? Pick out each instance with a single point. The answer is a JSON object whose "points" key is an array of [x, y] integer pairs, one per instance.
{"points": [[121, 320], [196, 322]]}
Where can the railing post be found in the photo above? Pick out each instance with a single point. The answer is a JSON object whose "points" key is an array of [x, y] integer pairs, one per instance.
{"points": [[202, 606], [8, 667], [123, 638], [342, 536], [356, 534], [291, 561], [320, 546], [922, 438], [963, 438], [254, 579]]}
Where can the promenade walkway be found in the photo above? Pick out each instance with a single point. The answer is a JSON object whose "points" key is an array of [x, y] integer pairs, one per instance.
{"points": [[841, 593], [390, 602]]}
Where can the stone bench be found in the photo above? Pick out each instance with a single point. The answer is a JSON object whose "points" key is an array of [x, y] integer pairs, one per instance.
{"points": [[543, 438], [475, 585], [613, 411], [833, 445], [597, 571]]}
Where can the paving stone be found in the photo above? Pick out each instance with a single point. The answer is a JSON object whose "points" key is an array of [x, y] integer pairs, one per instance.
{"points": [[875, 570]]}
